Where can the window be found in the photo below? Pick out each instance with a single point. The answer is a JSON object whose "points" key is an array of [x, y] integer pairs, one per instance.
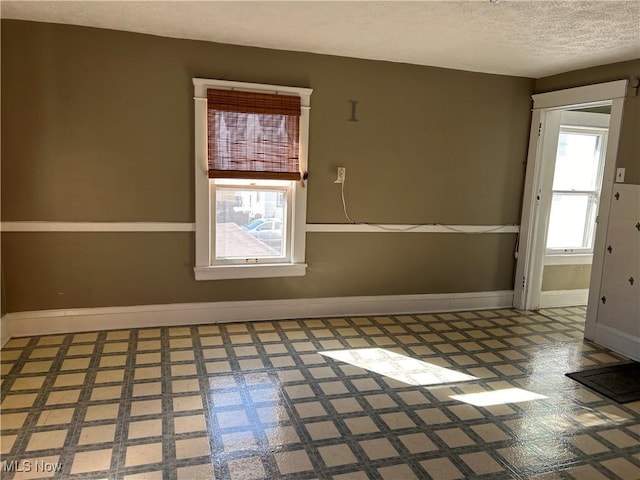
{"points": [[251, 163], [576, 190], [251, 221]]}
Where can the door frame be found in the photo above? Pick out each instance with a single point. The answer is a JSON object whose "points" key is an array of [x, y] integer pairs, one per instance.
{"points": [[531, 245]]}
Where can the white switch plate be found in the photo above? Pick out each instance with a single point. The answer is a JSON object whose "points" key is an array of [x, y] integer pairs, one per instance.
{"points": [[620, 175]]}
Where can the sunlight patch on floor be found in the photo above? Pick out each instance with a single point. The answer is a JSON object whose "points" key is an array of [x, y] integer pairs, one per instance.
{"points": [[498, 397], [399, 367]]}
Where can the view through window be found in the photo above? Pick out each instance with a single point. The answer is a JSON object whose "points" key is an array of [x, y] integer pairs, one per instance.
{"points": [[250, 222], [576, 188]]}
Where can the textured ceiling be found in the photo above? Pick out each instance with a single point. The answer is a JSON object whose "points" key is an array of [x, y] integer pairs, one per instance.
{"points": [[512, 37]]}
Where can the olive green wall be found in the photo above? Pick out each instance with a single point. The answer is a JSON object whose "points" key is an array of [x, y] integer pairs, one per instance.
{"points": [[565, 277], [97, 269], [629, 146], [97, 126]]}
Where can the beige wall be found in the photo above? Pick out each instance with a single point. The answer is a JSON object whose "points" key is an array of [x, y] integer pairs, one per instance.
{"points": [[97, 125], [566, 277], [629, 147]]}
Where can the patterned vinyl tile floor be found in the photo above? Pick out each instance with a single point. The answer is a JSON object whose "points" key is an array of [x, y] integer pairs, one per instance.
{"points": [[436, 396]]}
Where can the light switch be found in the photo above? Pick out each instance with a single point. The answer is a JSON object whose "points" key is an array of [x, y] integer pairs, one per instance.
{"points": [[620, 175]]}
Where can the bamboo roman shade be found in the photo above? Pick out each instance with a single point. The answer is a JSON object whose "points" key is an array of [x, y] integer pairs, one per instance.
{"points": [[253, 135]]}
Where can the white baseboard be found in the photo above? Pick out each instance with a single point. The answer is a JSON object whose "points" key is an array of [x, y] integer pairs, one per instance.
{"points": [[45, 322], [618, 341], [563, 298], [5, 334]]}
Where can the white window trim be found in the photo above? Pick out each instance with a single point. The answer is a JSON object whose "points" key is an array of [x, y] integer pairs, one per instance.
{"points": [[591, 121], [568, 259], [203, 269], [264, 270]]}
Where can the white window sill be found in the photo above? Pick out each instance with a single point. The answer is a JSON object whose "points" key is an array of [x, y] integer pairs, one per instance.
{"points": [[228, 272], [569, 259]]}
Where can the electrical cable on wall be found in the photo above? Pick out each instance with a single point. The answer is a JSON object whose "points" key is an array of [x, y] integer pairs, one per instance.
{"points": [[342, 179], [344, 204]]}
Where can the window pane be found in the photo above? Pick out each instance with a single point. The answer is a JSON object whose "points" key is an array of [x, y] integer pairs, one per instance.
{"points": [[577, 161], [571, 221], [250, 223]]}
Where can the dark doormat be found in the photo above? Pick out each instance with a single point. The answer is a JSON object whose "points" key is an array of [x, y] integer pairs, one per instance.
{"points": [[618, 382]]}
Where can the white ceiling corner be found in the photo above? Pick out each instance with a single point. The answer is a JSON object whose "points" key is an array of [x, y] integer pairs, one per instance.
{"points": [[533, 38]]}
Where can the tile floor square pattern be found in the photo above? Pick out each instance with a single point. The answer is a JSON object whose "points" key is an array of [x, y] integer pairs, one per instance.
{"points": [[268, 400]]}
